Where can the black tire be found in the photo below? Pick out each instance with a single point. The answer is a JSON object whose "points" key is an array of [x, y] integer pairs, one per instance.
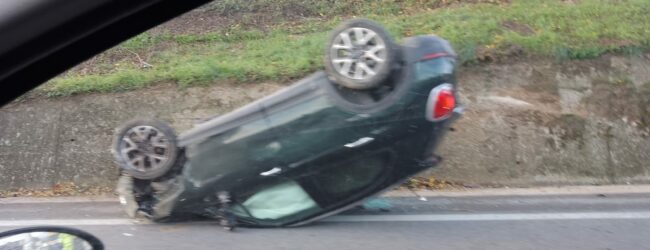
{"points": [[156, 153], [360, 53]]}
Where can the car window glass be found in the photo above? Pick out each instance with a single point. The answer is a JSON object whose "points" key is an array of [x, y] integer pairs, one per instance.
{"points": [[349, 177], [279, 201], [433, 68]]}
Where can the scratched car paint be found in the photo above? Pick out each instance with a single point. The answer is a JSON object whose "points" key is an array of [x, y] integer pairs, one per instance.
{"points": [[369, 121]]}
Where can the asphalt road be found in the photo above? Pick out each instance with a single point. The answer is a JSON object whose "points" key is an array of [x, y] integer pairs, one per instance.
{"points": [[585, 221]]}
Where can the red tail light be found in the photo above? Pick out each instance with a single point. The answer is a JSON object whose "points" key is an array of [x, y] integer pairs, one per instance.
{"points": [[441, 102], [433, 56]]}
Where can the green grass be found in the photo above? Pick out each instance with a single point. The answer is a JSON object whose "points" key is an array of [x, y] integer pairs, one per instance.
{"points": [[324, 8], [274, 58], [559, 30]]}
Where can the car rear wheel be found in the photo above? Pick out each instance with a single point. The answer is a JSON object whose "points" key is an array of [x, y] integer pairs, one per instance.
{"points": [[359, 54], [145, 148]]}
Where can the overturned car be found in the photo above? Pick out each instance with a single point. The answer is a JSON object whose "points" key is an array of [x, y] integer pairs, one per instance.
{"points": [[368, 122]]}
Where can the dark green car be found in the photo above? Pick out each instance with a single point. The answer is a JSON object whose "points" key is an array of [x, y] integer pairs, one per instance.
{"points": [[368, 122]]}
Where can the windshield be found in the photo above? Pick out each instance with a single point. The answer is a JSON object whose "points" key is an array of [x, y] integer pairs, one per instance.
{"points": [[433, 68]]}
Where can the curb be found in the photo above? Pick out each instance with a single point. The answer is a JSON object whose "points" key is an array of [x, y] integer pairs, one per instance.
{"points": [[71, 199], [533, 191]]}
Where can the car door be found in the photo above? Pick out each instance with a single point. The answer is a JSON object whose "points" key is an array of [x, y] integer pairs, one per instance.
{"points": [[320, 187], [309, 126], [335, 181]]}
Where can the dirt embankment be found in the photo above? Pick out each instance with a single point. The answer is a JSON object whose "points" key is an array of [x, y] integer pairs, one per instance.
{"points": [[528, 121], [540, 123], [526, 124]]}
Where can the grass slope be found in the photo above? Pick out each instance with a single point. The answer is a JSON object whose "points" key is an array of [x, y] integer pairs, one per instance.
{"points": [[479, 31]]}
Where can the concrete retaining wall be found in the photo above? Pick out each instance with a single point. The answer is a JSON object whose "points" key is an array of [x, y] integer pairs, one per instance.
{"points": [[583, 122]]}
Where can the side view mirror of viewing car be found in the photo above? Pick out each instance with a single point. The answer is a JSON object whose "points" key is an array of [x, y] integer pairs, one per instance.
{"points": [[51, 238]]}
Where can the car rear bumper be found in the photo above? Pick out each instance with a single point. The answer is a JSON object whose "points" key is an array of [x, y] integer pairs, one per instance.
{"points": [[429, 159], [458, 112]]}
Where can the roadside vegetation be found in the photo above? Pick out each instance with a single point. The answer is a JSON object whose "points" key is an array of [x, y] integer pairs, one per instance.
{"points": [[266, 40]]}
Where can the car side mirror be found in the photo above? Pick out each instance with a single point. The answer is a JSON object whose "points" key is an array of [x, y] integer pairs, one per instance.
{"points": [[49, 238]]}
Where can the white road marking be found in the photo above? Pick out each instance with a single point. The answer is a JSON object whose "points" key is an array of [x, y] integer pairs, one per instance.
{"points": [[68, 222], [491, 217], [366, 218]]}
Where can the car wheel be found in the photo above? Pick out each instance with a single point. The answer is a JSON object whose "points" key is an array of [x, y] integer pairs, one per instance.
{"points": [[359, 54], [145, 148]]}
